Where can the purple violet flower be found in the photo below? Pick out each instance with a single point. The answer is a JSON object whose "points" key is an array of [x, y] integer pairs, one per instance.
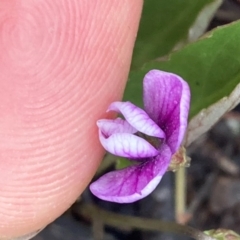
{"points": [[149, 137]]}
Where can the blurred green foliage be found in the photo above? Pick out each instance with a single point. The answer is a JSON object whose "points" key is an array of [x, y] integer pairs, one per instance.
{"points": [[223, 234], [164, 23]]}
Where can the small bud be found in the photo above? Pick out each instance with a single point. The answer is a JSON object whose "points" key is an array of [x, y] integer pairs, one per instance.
{"points": [[223, 234]]}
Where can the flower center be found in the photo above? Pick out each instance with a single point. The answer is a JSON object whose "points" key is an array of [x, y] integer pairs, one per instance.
{"points": [[154, 141]]}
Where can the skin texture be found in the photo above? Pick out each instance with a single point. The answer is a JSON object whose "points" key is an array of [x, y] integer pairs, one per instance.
{"points": [[62, 63]]}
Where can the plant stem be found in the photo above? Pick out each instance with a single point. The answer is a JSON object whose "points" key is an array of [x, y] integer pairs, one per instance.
{"points": [[123, 221], [180, 193]]}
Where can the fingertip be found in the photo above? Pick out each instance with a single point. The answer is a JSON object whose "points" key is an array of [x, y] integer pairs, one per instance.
{"points": [[62, 63]]}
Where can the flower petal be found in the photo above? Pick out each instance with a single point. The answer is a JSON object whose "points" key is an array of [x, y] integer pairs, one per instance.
{"points": [[138, 118], [132, 183], [166, 100], [111, 126], [127, 145]]}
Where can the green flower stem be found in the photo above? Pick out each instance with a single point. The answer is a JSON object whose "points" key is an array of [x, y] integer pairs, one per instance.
{"points": [[123, 221], [180, 193]]}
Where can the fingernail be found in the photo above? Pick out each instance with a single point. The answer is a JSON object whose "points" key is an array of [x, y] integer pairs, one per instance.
{"points": [[25, 237]]}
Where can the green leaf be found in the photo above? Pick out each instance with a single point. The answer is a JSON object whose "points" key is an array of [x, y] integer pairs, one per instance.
{"points": [[206, 118], [164, 23], [211, 66]]}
